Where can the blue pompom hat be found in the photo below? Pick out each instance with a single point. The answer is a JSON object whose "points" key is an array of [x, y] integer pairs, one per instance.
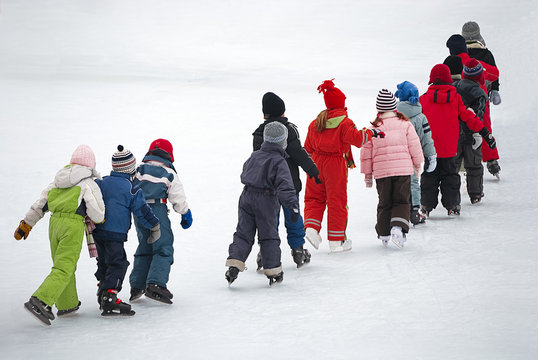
{"points": [[407, 92]]}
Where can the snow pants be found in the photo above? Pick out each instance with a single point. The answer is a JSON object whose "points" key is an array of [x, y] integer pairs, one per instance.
{"points": [[472, 161], [415, 191], [393, 206], [487, 153], [445, 177], [152, 262], [330, 194], [66, 233], [258, 210], [295, 230], [112, 263]]}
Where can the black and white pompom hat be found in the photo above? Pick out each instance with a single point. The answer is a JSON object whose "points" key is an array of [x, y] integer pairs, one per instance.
{"points": [[123, 161], [385, 101]]}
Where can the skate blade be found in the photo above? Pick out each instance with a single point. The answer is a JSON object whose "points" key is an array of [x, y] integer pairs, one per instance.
{"points": [[43, 321], [274, 283], [159, 299], [118, 314]]}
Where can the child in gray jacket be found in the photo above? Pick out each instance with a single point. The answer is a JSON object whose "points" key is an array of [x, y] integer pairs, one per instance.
{"points": [[408, 95], [268, 183]]}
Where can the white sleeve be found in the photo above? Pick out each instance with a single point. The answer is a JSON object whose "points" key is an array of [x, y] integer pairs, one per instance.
{"points": [[36, 212], [176, 196], [95, 206]]}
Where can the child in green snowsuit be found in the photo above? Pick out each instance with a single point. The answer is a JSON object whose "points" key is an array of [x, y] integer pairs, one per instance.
{"points": [[71, 197]]}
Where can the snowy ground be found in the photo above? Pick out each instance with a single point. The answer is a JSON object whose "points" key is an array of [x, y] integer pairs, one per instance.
{"points": [[111, 72]]}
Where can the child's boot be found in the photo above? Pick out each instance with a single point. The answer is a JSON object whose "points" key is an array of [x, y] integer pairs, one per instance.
{"points": [[313, 237], [276, 279], [339, 246], [397, 236], [112, 306], [159, 293], [136, 293], [231, 274], [494, 168], [384, 240], [68, 311], [40, 310], [301, 256], [416, 217]]}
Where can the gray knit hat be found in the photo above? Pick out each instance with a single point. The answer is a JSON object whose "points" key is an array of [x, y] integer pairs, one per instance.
{"points": [[471, 32], [385, 101], [276, 133]]}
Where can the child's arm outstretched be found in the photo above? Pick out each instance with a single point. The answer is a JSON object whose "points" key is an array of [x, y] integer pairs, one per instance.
{"points": [[36, 213]]}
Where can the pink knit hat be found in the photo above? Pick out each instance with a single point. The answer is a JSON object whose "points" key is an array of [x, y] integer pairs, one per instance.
{"points": [[84, 156]]}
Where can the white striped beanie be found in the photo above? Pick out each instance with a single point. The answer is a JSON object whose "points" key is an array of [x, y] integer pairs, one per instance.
{"points": [[385, 101], [123, 161]]}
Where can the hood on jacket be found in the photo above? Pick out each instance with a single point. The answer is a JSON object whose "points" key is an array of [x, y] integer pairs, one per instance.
{"points": [[72, 174], [408, 109], [441, 94]]}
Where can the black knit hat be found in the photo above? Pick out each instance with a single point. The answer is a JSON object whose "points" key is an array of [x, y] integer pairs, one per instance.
{"points": [[456, 44], [273, 105], [455, 64]]}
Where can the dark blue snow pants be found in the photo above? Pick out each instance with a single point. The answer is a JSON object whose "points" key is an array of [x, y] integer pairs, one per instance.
{"points": [[295, 230], [152, 262], [111, 263], [258, 210]]}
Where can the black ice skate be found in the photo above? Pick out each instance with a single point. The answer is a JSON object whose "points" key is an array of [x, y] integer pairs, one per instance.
{"points": [[475, 198], [301, 256], [494, 168], [259, 261], [416, 217], [275, 279], [455, 210], [231, 274], [159, 293], [68, 311], [40, 310], [425, 210], [136, 294], [112, 306]]}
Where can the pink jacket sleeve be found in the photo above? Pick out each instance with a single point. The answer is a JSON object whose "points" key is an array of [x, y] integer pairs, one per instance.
{"points": [[366, 158]]}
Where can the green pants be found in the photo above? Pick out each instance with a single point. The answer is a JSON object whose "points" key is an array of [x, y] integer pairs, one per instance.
{"points": [[66, 233]]}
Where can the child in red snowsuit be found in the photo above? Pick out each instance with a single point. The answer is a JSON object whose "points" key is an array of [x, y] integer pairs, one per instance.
{"points": [[329, 141]]}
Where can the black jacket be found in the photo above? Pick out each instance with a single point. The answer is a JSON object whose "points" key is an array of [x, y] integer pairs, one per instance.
{"points": [[297, 154], [473, 97], [483, 54]]}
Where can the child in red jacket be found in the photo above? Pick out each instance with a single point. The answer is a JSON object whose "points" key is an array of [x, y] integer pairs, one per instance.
{"points": [[329, 141], [443, 107]]}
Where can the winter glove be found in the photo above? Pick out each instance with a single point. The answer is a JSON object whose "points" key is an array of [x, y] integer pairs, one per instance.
{"points": [[477, 141], [368, 180], [431, 164], [294, 215], [22, 230], [186, 219], [495, 97], [155, 234], [377, 133], [316, 178], [488, 137]]}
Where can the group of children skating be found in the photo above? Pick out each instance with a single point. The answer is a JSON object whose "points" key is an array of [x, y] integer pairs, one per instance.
{"points": [[442, 128]]}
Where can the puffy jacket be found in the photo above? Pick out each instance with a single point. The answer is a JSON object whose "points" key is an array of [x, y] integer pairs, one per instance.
{"points": [[73, 191], [297, 154], [480, 52], [122, 199], [267, 170], [443, 107], [158, 179], [421, 125], [394, 155]]}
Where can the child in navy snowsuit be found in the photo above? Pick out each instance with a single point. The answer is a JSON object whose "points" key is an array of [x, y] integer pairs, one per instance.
{"points": [[268, 184], [410, 107], [157, 178], [273, 109], [121, 199]]}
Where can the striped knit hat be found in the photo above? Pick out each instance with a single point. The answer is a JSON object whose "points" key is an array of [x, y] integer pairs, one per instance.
{"points": [[472, 69], [385, 101], [123, 161]]}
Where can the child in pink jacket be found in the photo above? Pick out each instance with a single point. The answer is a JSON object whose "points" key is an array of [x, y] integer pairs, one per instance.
{"points": [[391, 162]]}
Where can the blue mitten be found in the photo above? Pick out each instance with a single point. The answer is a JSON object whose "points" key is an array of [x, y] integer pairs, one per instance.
{"points": [[186, 219]]}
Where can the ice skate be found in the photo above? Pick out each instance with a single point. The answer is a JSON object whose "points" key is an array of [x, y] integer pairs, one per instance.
{"points": [[494, 168], [476, 198], [112, 306], [384, 240], [231, 274], [416, 217], [397, 236], [40, 310], [159, 293], [313, 237], [73, 310], [425, 210], [136, 294], [455, 210], [301, 256], [259, 261], [276, 279], [339, 246]]}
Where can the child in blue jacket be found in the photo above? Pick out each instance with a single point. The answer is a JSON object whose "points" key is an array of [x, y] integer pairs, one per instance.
{"points": [[121, 199], [157, 178], [268, 183]]}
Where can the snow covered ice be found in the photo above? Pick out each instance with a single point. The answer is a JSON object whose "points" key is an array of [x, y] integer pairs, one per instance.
{"points": [[127, 72]]}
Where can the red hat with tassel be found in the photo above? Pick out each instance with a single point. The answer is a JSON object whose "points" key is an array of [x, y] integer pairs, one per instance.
{"points": [[334, 98]]}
